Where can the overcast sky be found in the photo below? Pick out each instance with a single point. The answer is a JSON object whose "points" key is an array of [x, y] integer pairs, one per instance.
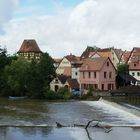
{"points": [[61, 27]]}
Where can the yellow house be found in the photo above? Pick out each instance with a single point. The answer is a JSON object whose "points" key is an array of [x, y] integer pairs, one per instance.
{"points": [[65, 66]]}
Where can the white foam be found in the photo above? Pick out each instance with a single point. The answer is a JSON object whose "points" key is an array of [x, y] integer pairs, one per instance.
{"points": [[113, 111]]}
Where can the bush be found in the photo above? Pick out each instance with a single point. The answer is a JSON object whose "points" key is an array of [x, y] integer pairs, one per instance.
{"points": [[90, 91], [50, 95], [63, 93]]}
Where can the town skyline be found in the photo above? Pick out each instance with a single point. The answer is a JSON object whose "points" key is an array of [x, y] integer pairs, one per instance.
{"points": [[62, 27]]}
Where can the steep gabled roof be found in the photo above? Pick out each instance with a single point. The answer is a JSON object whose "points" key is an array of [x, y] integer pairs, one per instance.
{"points": [[57, 60], [126, 55], [29, 46], [134, 66], [90, 64], [73, 83], [72, 58], [119, 53], [63, 78], [135, 52], [88, 51]]}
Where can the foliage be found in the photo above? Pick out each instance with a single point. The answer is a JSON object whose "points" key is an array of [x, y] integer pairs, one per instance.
{"points": [[16, 76], [45, 72], [122, 68], [90, 91], [4, 61], [51, 95], [20, 77], [63, 93]]}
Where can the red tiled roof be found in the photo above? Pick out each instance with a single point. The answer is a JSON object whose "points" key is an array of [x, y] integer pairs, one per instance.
{"points": [[134, 66], [29, 46], [57, 60], [90, 64], [105, 54], [126, 56], [63, 78], [73, 83], [134, 52], [72, 58]]}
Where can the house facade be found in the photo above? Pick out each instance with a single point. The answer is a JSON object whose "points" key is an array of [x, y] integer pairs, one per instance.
{"points": [[64, 81], [65, 63], [65, 66], [76, 70], [30, 50], [98, 73], [134, 63], [114, 54]]}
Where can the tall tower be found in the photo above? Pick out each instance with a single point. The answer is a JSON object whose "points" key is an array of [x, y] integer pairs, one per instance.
{"points": [[30, 50]]}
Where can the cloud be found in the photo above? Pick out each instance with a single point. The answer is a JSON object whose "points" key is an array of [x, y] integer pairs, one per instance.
{"points": [[104, 23], [7, 8]]}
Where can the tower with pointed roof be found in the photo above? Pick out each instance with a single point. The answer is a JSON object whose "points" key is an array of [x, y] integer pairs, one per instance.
{"points": [[30, 50]]}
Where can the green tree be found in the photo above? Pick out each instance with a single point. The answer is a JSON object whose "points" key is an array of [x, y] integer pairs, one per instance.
{"points": [[4, 60], [46, 72], [33, 84], [16, 77], [122, 68], [63, 93], [40, 75]]}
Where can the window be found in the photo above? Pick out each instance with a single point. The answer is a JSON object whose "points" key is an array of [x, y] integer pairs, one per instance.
{"points": [[76, 73], [110, 74], [102, 86], [94, 74], [133, 74], [83, 75], [96, 86], [134, 65], [138, 73], [89, 74], [109, 86], [56, 87], [107, 63], [104, 74], [86, 86]]}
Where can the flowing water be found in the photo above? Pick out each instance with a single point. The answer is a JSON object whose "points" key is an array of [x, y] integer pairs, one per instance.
{"points": [[36, 119]]}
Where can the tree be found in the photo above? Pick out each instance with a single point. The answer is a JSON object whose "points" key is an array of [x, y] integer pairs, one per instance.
{"points": [[4, 61], [16, 77], [46, 70], [33, 84], [122, 69], [40, 75]]}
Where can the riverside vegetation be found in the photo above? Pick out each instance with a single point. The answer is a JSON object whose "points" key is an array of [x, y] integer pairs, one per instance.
{"points": [[20, 77]]}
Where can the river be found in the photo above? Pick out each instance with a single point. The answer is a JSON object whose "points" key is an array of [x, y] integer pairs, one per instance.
{"points": [[36, 119]]}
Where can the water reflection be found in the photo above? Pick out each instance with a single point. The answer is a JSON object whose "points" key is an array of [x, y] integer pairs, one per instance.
{"points": [[16, 133]]}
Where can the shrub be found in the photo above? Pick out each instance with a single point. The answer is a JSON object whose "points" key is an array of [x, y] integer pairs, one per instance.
{"points": [[63, 93], [50, 95]]}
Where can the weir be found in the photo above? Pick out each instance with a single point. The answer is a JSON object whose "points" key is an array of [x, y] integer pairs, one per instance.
{"points": [[116, 114], [133, 110]]}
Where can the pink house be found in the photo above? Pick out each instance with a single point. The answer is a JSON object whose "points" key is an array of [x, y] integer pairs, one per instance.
{"points": [[98, 73]]}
